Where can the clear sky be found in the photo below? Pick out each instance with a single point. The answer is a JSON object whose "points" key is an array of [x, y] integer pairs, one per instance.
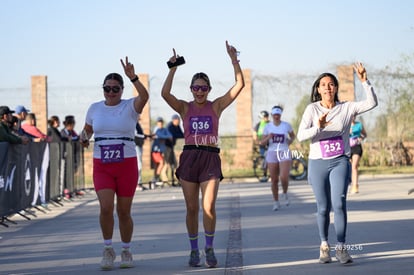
{"points": [[77, 42]]}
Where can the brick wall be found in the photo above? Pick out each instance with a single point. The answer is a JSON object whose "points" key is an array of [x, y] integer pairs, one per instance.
{"points": [[39, 101], [346, 91]]}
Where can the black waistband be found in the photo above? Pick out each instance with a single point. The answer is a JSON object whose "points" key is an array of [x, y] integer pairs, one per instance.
{"points": [[113, 138], [202, 147]]}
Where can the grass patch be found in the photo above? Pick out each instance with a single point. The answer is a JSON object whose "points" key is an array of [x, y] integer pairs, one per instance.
{"points": [[382, 170]]}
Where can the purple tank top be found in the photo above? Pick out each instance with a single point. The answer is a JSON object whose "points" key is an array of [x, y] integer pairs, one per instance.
{"points": [[201, 125]]}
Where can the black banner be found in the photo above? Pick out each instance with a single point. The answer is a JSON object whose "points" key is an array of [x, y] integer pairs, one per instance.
{"points": [[38, 172]]}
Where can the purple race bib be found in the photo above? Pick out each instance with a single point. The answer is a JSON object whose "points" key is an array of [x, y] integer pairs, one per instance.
{"points": [[354, 141], [332, 147], [278, 138], [201, 125], [112, 153]]}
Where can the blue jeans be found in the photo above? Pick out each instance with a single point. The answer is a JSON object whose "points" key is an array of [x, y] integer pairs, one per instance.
{"points": [[329, 180]]}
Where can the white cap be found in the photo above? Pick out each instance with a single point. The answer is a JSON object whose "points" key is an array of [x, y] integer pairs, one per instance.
{"points": [[276, 111]]}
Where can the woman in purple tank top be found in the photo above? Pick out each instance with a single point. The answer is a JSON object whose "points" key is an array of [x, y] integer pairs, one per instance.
{"points": [[200, 164]]}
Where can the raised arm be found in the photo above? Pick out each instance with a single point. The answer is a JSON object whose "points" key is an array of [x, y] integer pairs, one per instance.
{"points": [[371, 100], [222, 102], [142, 97], [177, 104]]}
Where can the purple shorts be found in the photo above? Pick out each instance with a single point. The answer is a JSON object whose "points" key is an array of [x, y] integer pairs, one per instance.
{"points": [[199, 164]]}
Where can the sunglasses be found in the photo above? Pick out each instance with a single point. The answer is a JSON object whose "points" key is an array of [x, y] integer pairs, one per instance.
{"points": [[196, 88], [114, 89]]}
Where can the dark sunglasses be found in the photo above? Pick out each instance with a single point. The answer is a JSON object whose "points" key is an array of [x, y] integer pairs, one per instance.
{"points": [[114, 89], [196, 88]]}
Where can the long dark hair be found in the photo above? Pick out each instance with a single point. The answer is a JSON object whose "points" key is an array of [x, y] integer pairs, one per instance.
{"points": [[52, 120], [315, 96]]}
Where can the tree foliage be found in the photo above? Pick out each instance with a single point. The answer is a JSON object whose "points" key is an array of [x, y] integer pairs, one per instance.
{"points": [[396, 82]]}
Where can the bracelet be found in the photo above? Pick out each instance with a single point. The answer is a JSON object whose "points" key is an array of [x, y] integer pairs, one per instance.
{"points": [[236, 61], [135, 79]]}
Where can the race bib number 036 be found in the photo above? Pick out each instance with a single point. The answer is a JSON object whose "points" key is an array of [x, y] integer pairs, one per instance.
{"points": [[112, 153], [332, 147], [201, 125]]}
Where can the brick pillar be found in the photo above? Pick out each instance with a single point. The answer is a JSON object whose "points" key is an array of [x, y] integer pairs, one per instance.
{"points": [[145, 122], [244, 120], [39, 101], [346, 90]]}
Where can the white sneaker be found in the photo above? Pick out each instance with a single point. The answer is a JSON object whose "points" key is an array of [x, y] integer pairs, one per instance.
{"points": [[285, 198], [324, 254], [108, 258], [126, 259], [159, 183], [276, 206], [342, 255]]}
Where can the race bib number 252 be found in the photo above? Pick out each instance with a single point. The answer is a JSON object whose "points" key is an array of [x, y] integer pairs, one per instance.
{"points": [[332, 147]]}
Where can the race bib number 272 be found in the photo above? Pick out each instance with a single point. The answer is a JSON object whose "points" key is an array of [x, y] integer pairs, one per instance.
{"points": [[112, 153]]}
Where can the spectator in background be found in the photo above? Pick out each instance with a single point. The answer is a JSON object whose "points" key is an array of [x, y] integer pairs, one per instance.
{"points": [[139, 142], [68, 133], [13, 125], [21, 114], [258, 131], [6, 133], [160, 136], [53, 132], [30, 127], [175, 129]]}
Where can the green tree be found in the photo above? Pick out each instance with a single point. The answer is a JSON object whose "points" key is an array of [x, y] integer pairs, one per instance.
{"points": [[397, 81], [299, 110]]}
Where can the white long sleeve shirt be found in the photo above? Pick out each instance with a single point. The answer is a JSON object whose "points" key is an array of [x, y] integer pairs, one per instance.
{"points": [[333, 140]]}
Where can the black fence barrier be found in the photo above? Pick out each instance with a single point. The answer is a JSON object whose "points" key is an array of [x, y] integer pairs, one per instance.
{"points": [[37, 173]]}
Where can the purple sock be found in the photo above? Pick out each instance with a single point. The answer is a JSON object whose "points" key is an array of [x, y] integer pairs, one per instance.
{"points": [[209, 239], [193, 241], [108, 242]]}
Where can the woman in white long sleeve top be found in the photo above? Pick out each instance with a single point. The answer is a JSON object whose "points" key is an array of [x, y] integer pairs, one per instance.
{"points": [[326, 122]]}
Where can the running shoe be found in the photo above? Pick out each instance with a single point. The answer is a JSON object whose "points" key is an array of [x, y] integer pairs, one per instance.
{"points": [[276, 206], [126, 259], [194, 258], [285, 198], [354, 190], [211, 260], [324, 254], [342, 255], [108, 258]]}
